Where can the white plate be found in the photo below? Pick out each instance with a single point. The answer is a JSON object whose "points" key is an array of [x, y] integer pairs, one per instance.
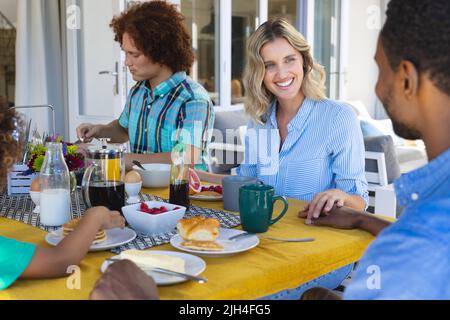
{"points": [[193, 266], [206, 198], [229, 247], [115, 238]]}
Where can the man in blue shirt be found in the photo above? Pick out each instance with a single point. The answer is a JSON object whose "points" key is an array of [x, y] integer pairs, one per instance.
{"points": [[410, 258]]}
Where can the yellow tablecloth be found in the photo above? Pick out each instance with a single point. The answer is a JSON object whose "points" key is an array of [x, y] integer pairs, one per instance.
{"points": [[269, 268]]}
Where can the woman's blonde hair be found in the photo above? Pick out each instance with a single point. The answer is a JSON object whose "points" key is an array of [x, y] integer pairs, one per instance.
{"points": [[258, 98]]}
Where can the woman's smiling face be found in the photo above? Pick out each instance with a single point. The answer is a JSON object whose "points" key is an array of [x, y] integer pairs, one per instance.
{"points": [[284, 69]]}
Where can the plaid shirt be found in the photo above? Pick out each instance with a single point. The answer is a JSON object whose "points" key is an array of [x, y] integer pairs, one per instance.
{"points": [[177, 110]]}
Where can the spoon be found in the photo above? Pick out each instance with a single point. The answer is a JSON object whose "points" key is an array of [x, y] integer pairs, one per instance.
{"points": [[138, 164]]}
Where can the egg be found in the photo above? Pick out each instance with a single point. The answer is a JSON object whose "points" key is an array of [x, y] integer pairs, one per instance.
{"points": [[132, 177], [35, 187]]}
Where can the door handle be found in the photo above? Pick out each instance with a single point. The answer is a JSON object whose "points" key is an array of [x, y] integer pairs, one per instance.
{"points": [[114, 74]]}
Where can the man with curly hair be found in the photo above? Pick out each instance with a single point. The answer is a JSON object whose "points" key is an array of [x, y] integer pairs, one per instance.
{"points": [[165, 107], [409, 259]]}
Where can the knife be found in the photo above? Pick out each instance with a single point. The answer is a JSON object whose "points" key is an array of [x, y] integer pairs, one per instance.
{"points": [[168, 272]]}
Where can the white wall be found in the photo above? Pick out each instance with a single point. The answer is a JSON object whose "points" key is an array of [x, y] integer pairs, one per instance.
{"points": [[9, 9], [365, 23]]}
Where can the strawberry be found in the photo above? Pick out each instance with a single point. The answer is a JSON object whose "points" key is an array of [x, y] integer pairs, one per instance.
{"points": [[163, 209], [154, 211]]}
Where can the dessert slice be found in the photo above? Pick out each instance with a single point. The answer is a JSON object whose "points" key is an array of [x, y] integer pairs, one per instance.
{"points": [[148, 260]]}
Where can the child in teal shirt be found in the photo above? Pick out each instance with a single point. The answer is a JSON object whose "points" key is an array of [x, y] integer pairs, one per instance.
{"points": [[28, 261], [14, 259], [24, 260]]}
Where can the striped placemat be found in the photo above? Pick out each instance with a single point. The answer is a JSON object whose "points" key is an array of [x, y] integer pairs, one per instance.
{"points": [[20, 208]]}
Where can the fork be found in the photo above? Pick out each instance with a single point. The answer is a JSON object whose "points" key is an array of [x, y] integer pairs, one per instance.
{"points": [[168, 272], [247, 234]]}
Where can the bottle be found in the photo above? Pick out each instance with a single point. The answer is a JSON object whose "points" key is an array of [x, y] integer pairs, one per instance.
{"points": [[179, 178], [54, 181]]}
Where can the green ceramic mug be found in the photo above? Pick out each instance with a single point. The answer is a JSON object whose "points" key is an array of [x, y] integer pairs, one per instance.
{"points": [[256, 207]]}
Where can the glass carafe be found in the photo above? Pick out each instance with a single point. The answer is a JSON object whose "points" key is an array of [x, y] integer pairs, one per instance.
{"points": [[103, 179], [54, 182]]}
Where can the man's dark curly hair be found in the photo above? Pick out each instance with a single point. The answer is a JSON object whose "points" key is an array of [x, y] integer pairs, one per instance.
{"points": [[419, 31], [10, 148], [157, 30]]}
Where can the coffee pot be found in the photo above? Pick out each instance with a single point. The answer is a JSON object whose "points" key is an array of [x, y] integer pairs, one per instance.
{"points": [[103, 179]]}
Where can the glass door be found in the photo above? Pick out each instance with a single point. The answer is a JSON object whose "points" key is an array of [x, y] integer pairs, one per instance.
{"points": [[96, 73], [326, 46]]}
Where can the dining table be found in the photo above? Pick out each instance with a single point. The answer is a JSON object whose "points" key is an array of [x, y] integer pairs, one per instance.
{"points": [[269, 268]]}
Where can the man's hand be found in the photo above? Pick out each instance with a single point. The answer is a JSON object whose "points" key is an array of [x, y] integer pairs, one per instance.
{"points": [[124, 280], [320, 293], [87, 131], [347, 218], [337, 217]]}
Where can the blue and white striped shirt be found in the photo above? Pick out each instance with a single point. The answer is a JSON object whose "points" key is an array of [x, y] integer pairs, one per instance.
{"points": [[324, 149]]}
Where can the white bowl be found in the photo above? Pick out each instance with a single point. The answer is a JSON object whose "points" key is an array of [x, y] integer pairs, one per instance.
{"points": [[153, 224], [156, 175]]}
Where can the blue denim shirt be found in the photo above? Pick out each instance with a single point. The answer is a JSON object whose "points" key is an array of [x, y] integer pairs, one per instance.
{"points": [[411, 258]]}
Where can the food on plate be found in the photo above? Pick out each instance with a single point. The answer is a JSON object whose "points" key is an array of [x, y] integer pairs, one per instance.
{"points": [[148, 260], [209, 191], [132, 177], [216, 189], [200, 233], [71, 225], [202, 245], [208, 194], [194, 182], [154, 211]]}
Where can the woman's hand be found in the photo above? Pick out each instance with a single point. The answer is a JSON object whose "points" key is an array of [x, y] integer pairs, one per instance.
{"points": [[324, 202]]}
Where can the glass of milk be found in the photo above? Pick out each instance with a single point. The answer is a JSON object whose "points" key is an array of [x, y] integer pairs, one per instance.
{"points": [[55, 187]]}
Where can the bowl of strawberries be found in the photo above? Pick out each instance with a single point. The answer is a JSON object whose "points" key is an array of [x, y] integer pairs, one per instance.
{"points": [[153, 217]]}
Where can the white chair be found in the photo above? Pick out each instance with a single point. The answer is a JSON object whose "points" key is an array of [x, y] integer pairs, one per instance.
{"points": [[381, 194]]}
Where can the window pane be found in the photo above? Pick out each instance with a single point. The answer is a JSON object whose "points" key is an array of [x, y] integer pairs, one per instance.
{"points": [[243, 25], [283, 8], [202, 24], [326, 42]]}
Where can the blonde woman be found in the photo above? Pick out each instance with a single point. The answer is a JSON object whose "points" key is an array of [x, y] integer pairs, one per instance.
{"points": [[305, 145]]}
